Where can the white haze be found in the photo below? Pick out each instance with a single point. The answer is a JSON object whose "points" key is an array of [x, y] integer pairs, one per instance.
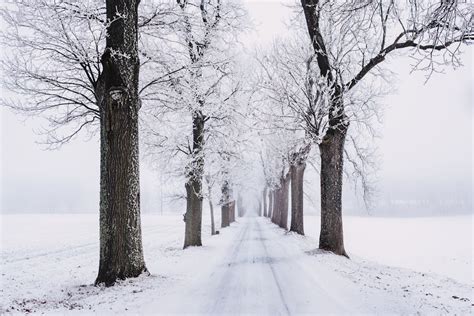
{"points": [[425, 149]]}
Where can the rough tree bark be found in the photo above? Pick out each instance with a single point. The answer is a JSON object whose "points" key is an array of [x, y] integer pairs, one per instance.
{"points": [[193, 216], [225, 215], [211, 208], [240, 206], [276, 206], [226, 205], [332, 147], [196, 50], [121, 251], [332, 158], [270, 203], [297, 168], [274, 193], [232, 211], [283, 209], [297, 211], [213, 225], [264, 198]]}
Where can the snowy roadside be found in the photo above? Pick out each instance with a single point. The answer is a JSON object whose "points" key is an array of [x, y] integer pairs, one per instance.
{"points": [[440, 244], [403, 291], [49, 262]]}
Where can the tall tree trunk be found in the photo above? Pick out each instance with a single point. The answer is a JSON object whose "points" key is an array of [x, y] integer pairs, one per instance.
{"points": [[297, 178], [211, 209], [276, 206], [225, 215], [285, 184], [270, 203], [264, 198], [211, 205], [232, 211], [121, 251], [240, 206], [226, 209], [193, 216], [332, 158], [332, 146], [274, 197], [213, 225]]}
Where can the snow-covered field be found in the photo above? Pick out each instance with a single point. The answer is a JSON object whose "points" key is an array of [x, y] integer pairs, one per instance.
{"points": [[442, 245], [402, 266]]}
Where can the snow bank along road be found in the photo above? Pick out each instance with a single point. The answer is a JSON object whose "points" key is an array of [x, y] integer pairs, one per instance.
{"points": [[252, 267]]}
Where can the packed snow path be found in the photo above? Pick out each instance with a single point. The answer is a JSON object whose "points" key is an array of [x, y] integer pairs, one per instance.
{"points": [[262, 274], [251, 267], [267, 271]]}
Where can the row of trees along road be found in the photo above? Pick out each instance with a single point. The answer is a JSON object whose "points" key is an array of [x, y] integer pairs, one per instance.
{"points": [[170, 69], [335, 86]]}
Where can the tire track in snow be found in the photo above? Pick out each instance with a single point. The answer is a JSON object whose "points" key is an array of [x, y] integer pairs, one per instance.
{"points": [[227, 275], [87, 248], [247, 258], [305, 289], [83, 247], [270, 264]]}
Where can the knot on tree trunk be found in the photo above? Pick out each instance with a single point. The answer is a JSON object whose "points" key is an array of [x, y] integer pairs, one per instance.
{"points": [[118, 94]]}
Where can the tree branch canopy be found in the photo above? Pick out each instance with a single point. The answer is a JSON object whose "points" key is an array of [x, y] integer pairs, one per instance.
{"points": [[350, 37]]}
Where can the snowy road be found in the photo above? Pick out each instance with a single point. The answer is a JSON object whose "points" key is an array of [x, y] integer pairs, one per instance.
{"points": [[252, 267], [259, 274]]}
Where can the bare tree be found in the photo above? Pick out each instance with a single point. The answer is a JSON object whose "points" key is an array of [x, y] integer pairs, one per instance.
{"points": [[210, 184], [226, 205], [289, 80], [202, 94], [121, 251], [77, 65], [351, 40], [54, 73], [274, 161], [285, 80], [56, 66]]}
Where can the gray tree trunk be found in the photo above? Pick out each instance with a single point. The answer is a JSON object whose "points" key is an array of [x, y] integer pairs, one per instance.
{"points": [[213, 225], [193, 216], [276, 206], [332, 150], [232, 211], [121, 251], [225, 215], [226, 205], [270, 204], [297, 178], [264, 198], [240, 206], [211, 205], [211, 208], [285, 184], [332, 146]]}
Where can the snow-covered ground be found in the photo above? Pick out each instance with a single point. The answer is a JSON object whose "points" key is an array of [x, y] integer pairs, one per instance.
{"points": [[442, 245], [49, 263]]}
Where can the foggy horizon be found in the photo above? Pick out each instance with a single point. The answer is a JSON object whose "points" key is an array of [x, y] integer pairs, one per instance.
{"points": [[423, 156]]}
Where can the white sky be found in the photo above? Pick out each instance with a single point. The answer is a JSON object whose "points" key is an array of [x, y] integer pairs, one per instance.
{"points": [[426, 148]]}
